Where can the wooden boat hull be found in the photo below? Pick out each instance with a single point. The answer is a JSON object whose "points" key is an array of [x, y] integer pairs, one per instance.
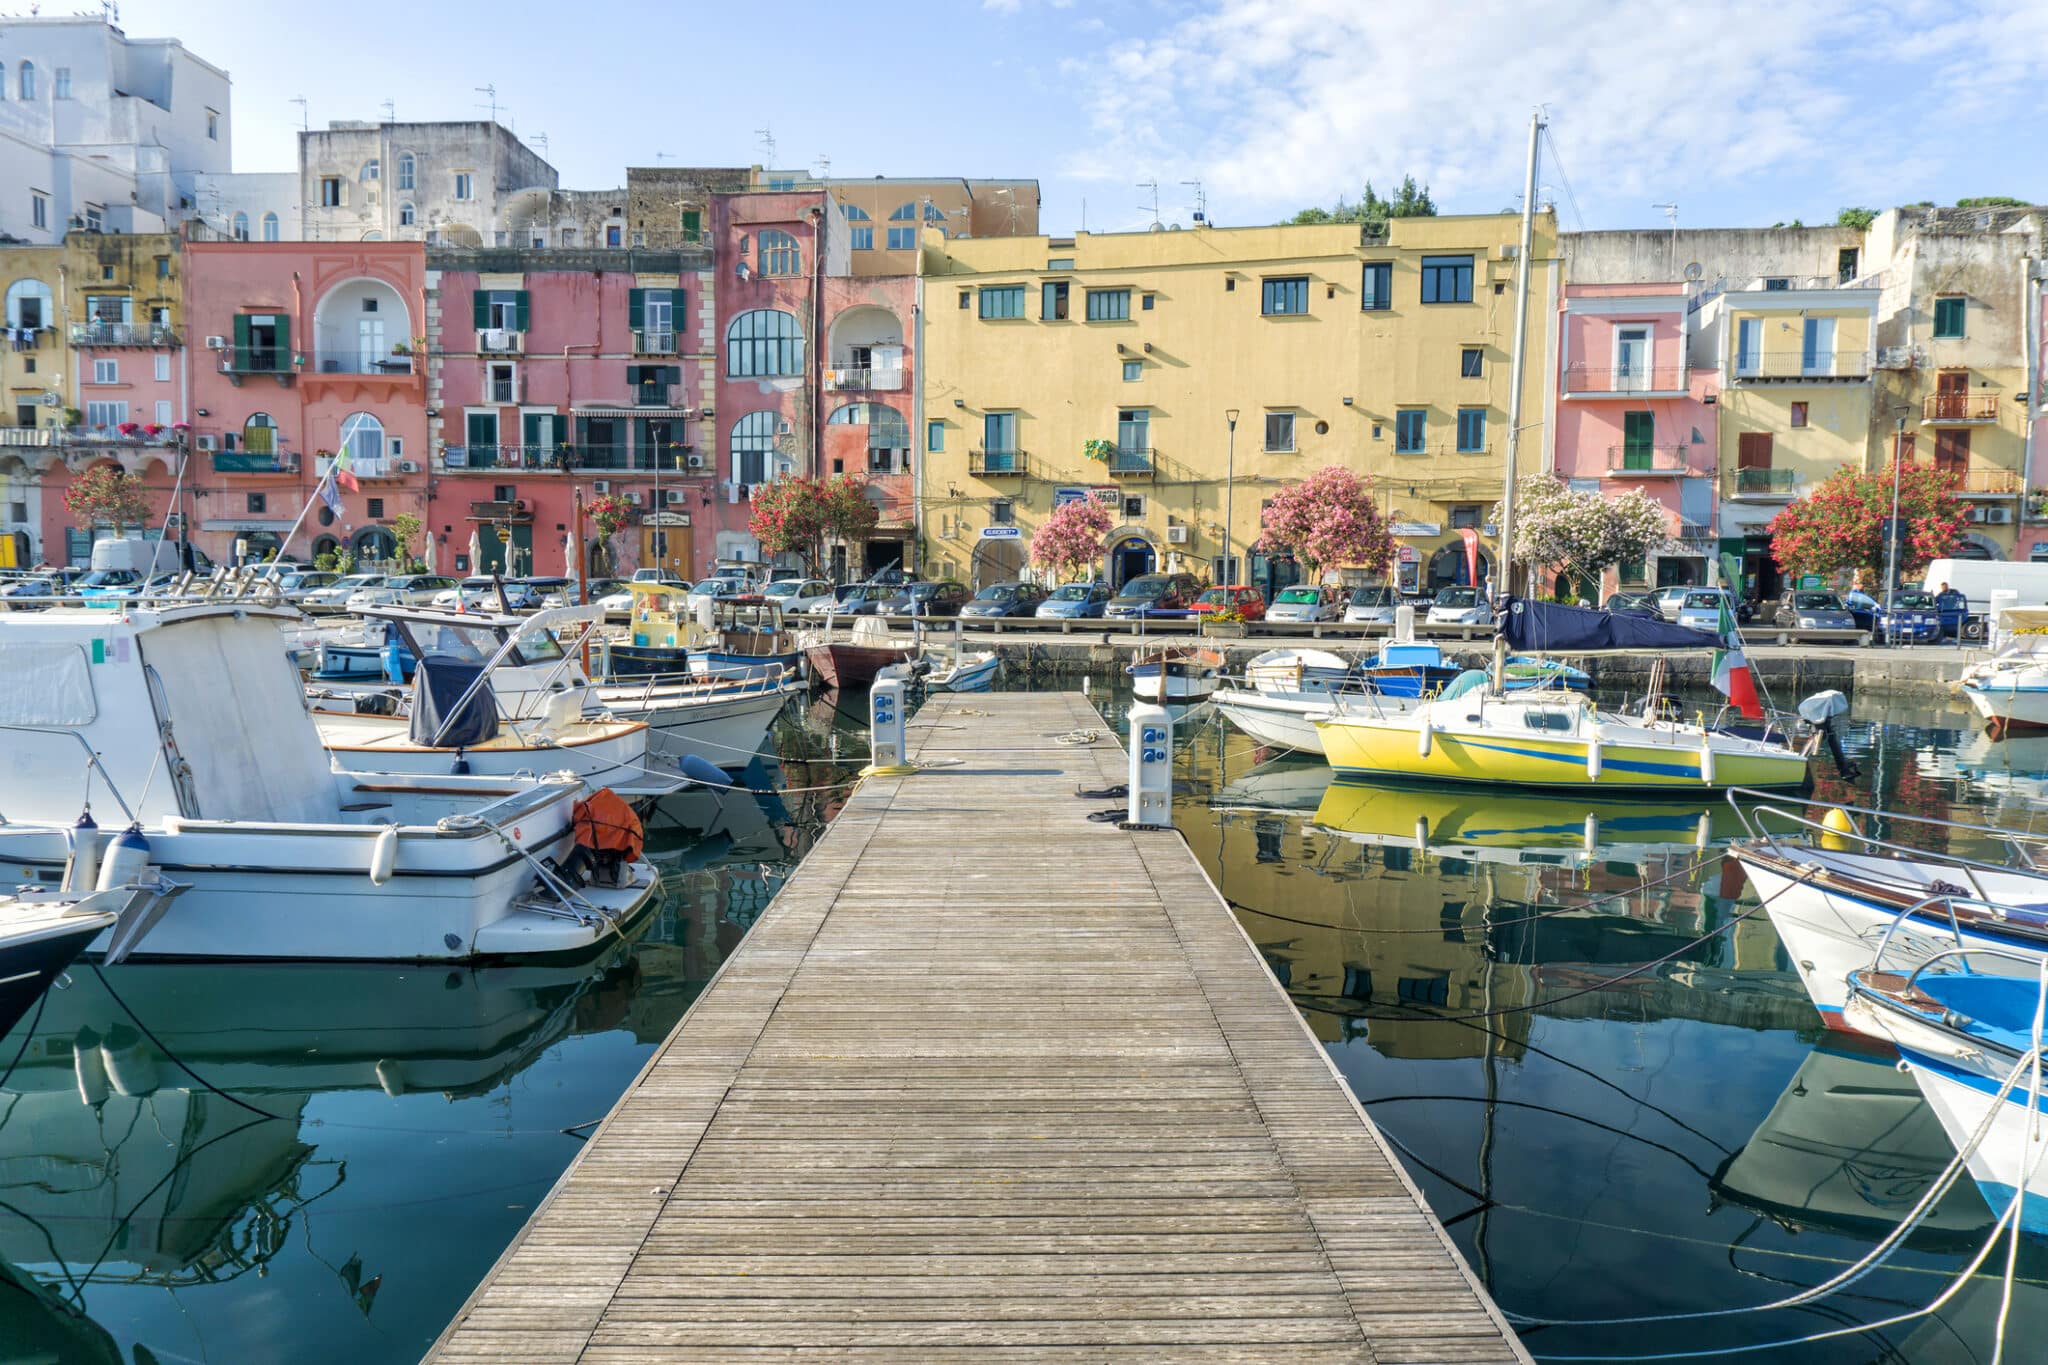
{"points": [[1176, 676], [718, 663], [846, 665]]}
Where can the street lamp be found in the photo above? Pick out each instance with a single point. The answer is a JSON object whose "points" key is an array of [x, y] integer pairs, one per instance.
{"points": [[1229, 472]]}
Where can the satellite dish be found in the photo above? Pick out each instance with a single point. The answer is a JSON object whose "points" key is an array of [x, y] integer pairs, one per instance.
{"points": [[1694, 271]]}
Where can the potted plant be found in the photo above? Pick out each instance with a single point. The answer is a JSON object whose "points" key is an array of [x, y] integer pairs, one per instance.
{"points": [[130, 430], [1098, 449], [1228, 623]]}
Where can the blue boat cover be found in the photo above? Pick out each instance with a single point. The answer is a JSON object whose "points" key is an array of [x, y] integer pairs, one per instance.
{"points": [[438, 686], [1565, 630]]}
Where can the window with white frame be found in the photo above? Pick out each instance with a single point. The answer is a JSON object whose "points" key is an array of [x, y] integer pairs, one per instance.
{"points": [[408, 168], [163, 369], [373, 169], [39, 209], [106, 412], [503, 382], [269, 227], [780, 254], [406, 214], [241, 227], [213, 125], [259, 435], [28, 80], [330, 191], [60, 85], [106, 372], [163, 412], [465, 185], [753, 443], [95, 218], [903, 238], [766, 341], [362, 436], [861, 235]]}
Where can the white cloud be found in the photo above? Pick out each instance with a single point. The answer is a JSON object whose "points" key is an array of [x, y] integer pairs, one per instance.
{"points": [[1275, 104]]}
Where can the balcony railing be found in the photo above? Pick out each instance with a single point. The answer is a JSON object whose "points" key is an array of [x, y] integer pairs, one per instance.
{"points": [[28, 436], [1759, 483], [1133, 462], [1625, 461], [499, 341], [648, 341], [998, 464], [515, 510], [352, 362], [1985, 483], [22, 338], [1797, 367], [1975, 406], [873, 378], [543, 459], [255, 360], [122, 334], [251, 462], [1584, 380]]}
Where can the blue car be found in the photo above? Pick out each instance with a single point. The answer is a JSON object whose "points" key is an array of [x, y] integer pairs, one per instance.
{"points": [[1913, 619], [1075, 602]]}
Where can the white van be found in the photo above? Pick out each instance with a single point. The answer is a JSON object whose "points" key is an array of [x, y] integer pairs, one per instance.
{"points": [[141, 557], [1977, 579]]}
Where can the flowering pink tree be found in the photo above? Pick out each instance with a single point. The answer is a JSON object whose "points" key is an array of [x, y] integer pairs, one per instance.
{"points": [[1329, 518], [1070, 540], [1578, 530]]}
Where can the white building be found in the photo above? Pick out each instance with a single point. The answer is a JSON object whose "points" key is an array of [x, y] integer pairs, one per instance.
{"points": [[448, 183], [250, 206], [102, 131]]}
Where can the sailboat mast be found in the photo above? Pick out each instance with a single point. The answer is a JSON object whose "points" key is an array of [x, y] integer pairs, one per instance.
{"points": [[1517, 363]]}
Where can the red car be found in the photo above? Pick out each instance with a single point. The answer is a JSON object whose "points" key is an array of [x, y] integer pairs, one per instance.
{"points": [[1249, 602]]}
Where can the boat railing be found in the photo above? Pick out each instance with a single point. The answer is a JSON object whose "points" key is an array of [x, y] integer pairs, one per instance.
{"points": [[1946, 901], [92, 763], [1962, 953], [2026, 848]]}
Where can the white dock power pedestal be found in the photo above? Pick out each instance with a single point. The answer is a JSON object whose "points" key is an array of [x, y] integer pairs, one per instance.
{"points": [[1151, 797]]}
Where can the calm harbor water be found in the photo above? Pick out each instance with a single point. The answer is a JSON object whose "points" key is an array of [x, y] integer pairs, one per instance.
{"points": [[318, 1162]]}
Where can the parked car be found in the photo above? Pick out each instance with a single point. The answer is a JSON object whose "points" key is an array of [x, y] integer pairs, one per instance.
{"points": [[717, 586], [527, 594], [301, 581], [944, 597], [796, 595], [1155, 594], [1810, 610], [1671, 600], [860, 599], [334, 597], [473, 593], [107, 583], [565, 596], [1913, 617], [1075, 602], [1456, 606], [1005, 599], [1307, 602], [30, 594], [1373, 606], [1701, 609], [1244, 599], [1633, 603], [413, 590]]}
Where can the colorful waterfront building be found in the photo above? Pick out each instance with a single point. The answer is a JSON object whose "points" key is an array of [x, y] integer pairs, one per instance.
{"points": [[35, 391], [1794, 367], [1111, 366], [1633, 413], [302, 350]]}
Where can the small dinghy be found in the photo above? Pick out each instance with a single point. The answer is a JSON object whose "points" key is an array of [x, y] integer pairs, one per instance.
{"points": [[1177, 673]]}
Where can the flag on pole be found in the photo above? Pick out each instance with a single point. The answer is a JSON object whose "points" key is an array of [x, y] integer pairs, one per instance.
{"points": [[326, 493], [342, 474], [1732, 678]]}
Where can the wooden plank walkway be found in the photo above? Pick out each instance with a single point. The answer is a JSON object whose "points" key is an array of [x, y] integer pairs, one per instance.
{"points": [[987, 1081]]}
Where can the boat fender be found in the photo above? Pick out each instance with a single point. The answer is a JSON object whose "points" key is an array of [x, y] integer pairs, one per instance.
{"points": [[698, 768], [91, 1069], [1592, 761], [82, 868], [128, 1064], [384, 855], [1592, 841], [1706, 760], [1842, 834], [1423, 732], [127, 860]]}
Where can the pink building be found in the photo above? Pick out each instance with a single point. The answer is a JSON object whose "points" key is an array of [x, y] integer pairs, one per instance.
{"points": [[565, 370], [1632, 414], [303, 349]]}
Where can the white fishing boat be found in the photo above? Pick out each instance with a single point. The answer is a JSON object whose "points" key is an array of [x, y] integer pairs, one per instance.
{"points": [[2010, 689], [1971, 1038], [1176, 673], [723, 722], [974, 671], [1289, 689], [192, 722], [1835, 895]]}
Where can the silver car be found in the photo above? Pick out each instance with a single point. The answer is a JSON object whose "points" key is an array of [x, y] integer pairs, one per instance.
{"points": [[1305, 602], [1372, 606], [797, 594], [1806, 610], [1460, 607], [412, 590], [334, 597], [1700, 609]]}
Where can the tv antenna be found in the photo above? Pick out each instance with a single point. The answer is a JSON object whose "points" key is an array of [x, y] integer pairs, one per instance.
{"points": [[1152, 185], [824, 165], [390, 112], [766, 137], [1201, 201], [300, 100], [492, 92], [542, 139]]}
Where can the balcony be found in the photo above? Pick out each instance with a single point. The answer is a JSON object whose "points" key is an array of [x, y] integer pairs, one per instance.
{"points": [[1797, 367], [1133, 463], [566, 459], [1956, 409], [23, 338], [253, 462], [515, 510], [650, 342], [1610, 381], [997, 464], [1985, 482], [121, 334], [865, 378], [1759, 485], [1647, 462], [354, 362], [238, 362], [500, 341], [28, 436]]}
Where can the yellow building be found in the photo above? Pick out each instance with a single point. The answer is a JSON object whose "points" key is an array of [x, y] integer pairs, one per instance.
{"points": [[1109, 365], [34, 359], [1795, 371]]}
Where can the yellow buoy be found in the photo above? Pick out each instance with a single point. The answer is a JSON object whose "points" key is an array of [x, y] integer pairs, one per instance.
{"points": [[1841, 830]]}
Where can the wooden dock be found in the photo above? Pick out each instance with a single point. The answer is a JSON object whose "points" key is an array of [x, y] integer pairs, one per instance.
{"points": [[987, 1081]]}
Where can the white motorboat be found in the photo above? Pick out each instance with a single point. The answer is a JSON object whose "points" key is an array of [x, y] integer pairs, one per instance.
{"points": [[2010, 689], [1289, 689], [1176, 673], [722, 722], [1835, 895], [196, 711], [599, 752]]}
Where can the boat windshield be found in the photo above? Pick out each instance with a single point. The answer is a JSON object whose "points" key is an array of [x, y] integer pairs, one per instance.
{"points": [[1458, 597], [1078, 592], [1310, 595]]}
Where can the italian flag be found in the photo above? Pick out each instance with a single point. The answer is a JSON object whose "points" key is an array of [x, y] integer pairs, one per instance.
{"points": [[343, 475], [1731, 669]]}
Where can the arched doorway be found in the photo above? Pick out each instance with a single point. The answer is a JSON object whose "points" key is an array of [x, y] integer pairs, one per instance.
{"points": [[324, 545], [996, 560], [1130, 556], [257, 546], [374, 545], [1447, 568]]}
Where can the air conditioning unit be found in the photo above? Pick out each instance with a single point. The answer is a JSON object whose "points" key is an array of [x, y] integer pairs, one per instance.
{"points": [[1510, 251], [694, 461], [636, 497], [1998, 516], [216, 343], [675, 497], [51, 400], [601, 485], [408, 466], [1176, 535], [209, 442]]}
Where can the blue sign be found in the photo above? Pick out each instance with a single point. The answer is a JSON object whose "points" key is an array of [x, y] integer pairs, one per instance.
{"points": [[1001, 532]]}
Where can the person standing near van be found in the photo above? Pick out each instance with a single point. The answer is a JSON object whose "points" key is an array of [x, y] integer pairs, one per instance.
{"points": [[1954, 608]]}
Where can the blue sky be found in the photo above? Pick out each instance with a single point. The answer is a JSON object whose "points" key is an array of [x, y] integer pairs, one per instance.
{"points": [[1744, 113]]}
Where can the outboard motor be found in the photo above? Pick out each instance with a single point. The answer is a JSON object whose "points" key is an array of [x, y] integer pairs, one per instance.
{"points": [[1820, 711]]}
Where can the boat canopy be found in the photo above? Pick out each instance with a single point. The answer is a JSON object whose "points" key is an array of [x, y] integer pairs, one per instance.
{"points": [[1571, 630]]}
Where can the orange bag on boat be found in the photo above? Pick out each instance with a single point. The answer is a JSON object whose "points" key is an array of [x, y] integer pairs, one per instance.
{"points": [[604, 822]]}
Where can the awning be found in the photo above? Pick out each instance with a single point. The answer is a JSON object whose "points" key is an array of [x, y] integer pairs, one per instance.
{"points": [[580, 410]]}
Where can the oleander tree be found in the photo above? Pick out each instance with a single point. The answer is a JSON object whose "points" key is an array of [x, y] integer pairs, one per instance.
{"points": [[1840, 524], [796, 515], [1329, 518], [106, 495], [1070, 540], [605, 514], [1580, 531]]}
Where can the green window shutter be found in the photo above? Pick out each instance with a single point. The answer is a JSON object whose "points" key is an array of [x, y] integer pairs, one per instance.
{"points": [[693, 225], [480, 304], [671, 374], [284, 342], [636, 308], [675, 304], [519, 299], [483, 429], [633, 374], [241, 340], [530, 429]]}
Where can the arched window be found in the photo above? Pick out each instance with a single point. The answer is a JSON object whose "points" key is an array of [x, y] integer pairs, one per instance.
{"points": [[903, 238], [28, 80], [753, 443], [30, 304], [259, 434], [269, 227], [373, 236], [373, 169], [888, 434], [406, 213], [408, 168], [903, 213], [362, 436], [856, 214], [766, 341], [241, 227], [861, 236], [932, 213], [780, 255]]}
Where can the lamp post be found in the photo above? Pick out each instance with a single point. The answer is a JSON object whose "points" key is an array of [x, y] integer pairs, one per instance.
{"points": [[1229, 473]]}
